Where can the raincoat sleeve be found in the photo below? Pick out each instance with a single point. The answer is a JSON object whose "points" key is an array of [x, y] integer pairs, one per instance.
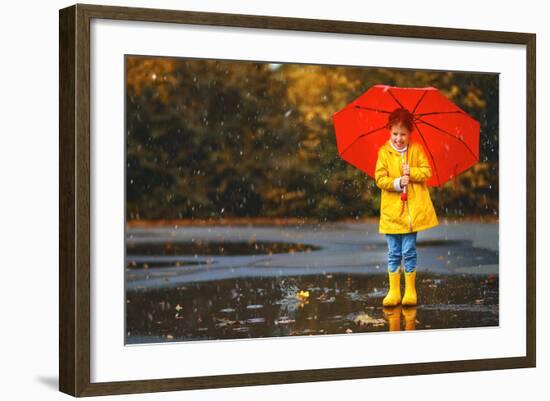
{"points": [[381, 174], [422, 171]]}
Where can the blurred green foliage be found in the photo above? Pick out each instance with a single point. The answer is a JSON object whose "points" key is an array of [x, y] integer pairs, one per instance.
{"points": [[208, 139]]}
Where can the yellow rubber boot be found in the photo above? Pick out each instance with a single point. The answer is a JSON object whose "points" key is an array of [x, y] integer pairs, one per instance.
{"points": [[409, 299], [393, 298]]}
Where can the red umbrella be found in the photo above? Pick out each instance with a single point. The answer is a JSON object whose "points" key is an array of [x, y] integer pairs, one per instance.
{"points": [[450, 136]]}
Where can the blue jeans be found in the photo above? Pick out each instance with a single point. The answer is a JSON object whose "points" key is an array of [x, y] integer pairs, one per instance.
{"points": [[401, 245]]}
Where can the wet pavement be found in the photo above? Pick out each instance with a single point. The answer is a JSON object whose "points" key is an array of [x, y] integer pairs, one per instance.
{"points": [[198, 283]]}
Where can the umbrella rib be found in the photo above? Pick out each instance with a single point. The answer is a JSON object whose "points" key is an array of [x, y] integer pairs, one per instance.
{"points": [[394, 98], [360, 136], [451, 135], [439, 112], [419, 101], [371, 109], [430, 152]]}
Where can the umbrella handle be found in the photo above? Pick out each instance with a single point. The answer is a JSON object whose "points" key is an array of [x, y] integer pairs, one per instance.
{"points": [[403, 161]]}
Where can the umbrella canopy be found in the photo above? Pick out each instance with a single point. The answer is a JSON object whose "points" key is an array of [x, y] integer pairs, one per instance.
{"points": [[449, 135]]}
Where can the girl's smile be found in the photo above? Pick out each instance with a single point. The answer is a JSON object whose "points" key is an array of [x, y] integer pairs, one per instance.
{"points": [[399, 136]]}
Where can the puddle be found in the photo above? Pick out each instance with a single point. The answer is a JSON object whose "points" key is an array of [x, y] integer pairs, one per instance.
{"points": [[440, 242], [306, 305], [219, 248], [133, 264]]}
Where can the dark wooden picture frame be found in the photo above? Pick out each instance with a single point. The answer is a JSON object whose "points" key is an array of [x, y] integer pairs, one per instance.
{"points": [[74, 202]]}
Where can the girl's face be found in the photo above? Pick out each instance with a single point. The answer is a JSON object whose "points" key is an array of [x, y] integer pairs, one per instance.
{"points": [[399, 136]]}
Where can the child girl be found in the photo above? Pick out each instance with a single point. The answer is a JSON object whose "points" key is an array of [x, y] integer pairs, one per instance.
{"points": [[403, 167]]}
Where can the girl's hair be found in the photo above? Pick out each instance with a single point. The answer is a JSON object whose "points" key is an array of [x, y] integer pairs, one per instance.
{"points": [[401, 116]]}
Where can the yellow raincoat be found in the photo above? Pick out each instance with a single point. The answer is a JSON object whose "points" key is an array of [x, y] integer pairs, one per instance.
{"points": [[419, 213]]}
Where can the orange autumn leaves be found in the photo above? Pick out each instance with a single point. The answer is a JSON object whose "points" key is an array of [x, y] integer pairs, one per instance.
{"points": [[158, 73]]}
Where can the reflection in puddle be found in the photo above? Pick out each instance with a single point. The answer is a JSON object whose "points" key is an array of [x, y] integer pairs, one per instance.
{"points": [[306, 305]]}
